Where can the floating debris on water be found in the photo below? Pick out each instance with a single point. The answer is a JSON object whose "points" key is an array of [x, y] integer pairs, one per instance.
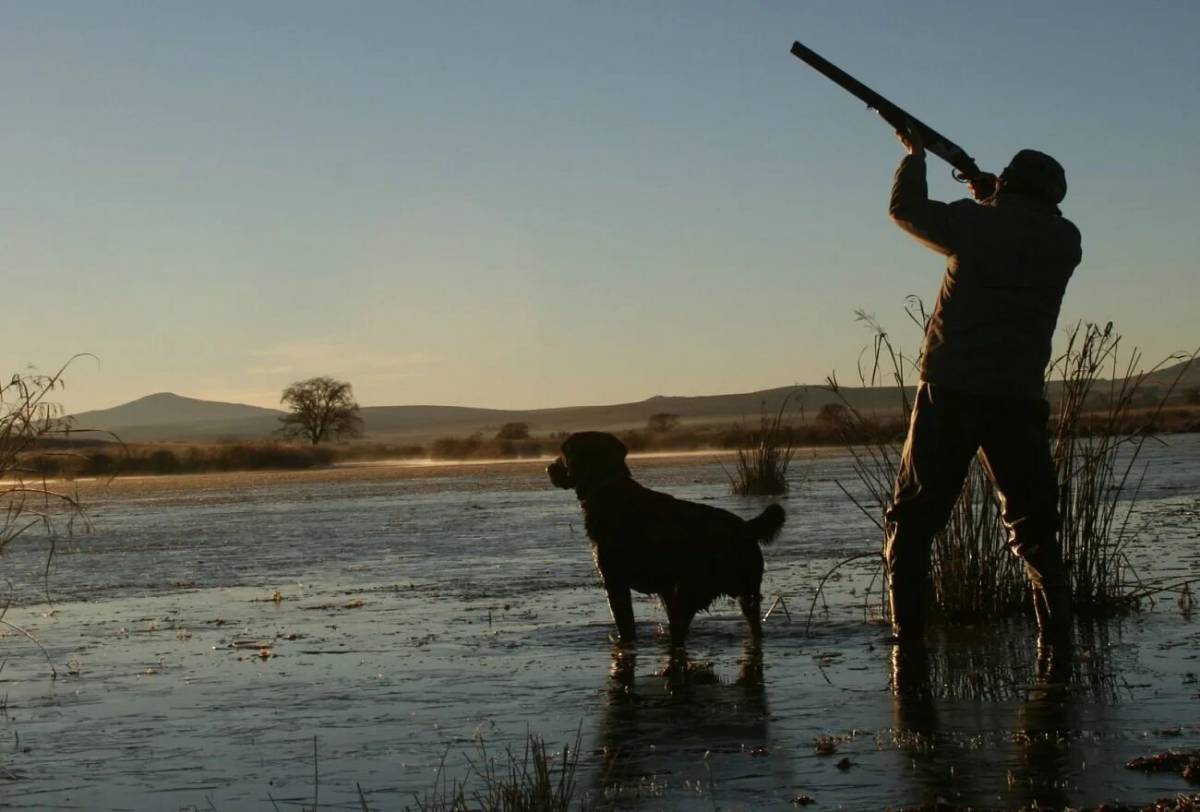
{"points": [[1173, 761]]}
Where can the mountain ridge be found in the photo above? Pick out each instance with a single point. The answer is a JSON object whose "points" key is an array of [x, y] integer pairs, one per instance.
{"points": [[166, 416]]}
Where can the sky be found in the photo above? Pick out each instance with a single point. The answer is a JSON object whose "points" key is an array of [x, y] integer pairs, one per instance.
{"points": [[539, 204]]}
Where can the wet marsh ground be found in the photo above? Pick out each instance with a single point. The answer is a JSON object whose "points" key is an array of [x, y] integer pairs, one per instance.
{"points": [[213, 626]]}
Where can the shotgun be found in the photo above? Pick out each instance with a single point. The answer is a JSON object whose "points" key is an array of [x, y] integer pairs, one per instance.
{"points": [[965, 168]]}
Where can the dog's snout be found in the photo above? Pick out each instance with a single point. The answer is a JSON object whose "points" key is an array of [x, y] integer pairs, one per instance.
{"points": [[559, 476]]}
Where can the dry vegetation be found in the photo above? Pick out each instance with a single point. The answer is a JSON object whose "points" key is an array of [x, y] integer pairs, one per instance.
{"points": [[764, 457], [79, 454], [28, 503], [31, 508], [1101, 421], [538, 780], [69, 457]]}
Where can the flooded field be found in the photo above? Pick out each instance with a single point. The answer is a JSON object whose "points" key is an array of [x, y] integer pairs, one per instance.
{"points": [[287, 640]]}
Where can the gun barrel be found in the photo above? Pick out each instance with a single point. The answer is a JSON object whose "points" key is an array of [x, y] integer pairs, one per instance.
{"points": [[844, 80], [935, 142]]}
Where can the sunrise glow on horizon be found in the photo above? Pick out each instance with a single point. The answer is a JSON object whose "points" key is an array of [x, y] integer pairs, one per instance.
{"points": [[541, 204]]}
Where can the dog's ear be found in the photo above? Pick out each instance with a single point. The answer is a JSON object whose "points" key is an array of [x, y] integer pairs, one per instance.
{"points": [[594, 456]]}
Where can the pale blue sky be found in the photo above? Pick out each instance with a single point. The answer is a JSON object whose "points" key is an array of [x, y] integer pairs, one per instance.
{"points": [[534, 204]]}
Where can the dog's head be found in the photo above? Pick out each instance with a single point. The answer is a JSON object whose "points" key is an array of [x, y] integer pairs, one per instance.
{"points": [[587, 459]]}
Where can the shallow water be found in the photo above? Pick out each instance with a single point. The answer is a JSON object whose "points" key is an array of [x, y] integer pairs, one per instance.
{"points": [[408, 614]]}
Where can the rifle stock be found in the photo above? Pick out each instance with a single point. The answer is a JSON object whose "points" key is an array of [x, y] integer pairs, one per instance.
{"points": [[898, 117]]}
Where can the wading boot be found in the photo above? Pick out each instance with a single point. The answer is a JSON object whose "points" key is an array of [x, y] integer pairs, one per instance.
{"points": [[907, 603], [910, 674], [1051, 593], [1053, 675], [1052, 606]]}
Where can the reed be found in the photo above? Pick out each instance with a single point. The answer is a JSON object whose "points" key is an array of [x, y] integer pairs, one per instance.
{"points": [[28, 502], [975, 576], [1097, 456], [761, 466], [29, 505], [538, 780], [1098, 428]]}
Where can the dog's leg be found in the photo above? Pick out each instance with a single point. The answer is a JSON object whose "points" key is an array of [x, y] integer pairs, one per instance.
{"points": [[752, 609], [679, 617], [620, 604]]}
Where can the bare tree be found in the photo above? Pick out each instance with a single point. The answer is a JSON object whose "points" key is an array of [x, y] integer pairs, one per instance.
{"points": [[321, 408]]}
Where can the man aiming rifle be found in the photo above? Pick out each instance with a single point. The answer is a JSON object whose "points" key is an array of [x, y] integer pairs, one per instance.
{"points": [[1009, 257], [1009, 254]]}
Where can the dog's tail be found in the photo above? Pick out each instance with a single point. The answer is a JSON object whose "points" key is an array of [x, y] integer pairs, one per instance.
{"points": [[765, 526]]}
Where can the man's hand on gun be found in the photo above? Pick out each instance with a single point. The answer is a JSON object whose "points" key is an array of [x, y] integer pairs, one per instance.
{"points": [[910, 137], [982, 186]]}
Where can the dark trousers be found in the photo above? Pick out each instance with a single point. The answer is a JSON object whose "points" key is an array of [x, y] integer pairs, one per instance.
{"points": [[946, 430]]}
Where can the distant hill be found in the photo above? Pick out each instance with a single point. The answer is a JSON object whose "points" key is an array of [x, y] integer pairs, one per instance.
{"points": [[167, 416], [1188, 373], [170, 417]]}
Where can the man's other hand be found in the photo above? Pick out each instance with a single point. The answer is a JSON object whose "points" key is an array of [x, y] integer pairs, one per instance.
{"points": [[982, 186], [910, 137]]}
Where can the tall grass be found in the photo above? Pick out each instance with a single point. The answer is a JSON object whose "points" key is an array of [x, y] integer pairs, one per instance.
{"points": [[539, 780], [974, 573], [1097, 437], [1096, 455], [28, 503], [761, 466]]}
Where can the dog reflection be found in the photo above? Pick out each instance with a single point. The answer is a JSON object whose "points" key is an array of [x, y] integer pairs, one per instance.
{"points": [[669, 730]]}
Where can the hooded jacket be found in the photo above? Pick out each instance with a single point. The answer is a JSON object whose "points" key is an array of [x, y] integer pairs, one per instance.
{"points": [[1007, 265]]}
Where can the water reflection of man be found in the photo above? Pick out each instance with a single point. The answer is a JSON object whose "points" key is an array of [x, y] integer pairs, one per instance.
{"points": [[1041, 734], [1044, 732], [987, 344], [915, 723]]}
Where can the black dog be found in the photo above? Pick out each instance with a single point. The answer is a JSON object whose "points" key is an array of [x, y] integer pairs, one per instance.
{"points": [[686, 553]]}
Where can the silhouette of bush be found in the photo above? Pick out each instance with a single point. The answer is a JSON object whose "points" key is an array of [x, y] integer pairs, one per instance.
{"points": [[456, 448], [99, 463], [635, 441], [513, 431], [162, 461], [662, 422]]}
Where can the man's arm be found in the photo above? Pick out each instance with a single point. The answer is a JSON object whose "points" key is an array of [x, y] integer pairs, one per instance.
{"points": [[931, 222]]}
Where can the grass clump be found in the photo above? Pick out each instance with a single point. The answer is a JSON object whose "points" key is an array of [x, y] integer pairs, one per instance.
{"points": [[1096, 454], [538, 780], [1099, 427], [761, 465], [28, 504]]}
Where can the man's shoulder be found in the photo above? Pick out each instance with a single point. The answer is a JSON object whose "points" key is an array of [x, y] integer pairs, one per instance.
{"points": [[965, 210]]}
